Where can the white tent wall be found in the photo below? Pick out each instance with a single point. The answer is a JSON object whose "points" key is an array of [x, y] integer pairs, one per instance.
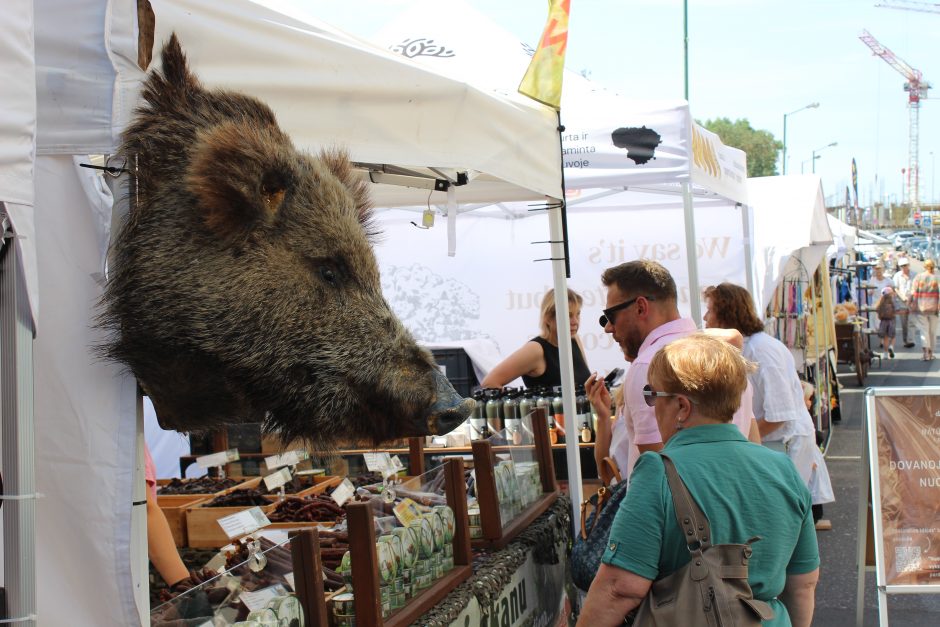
{"points": [[791, 230], [492, 289], [85, 427]]}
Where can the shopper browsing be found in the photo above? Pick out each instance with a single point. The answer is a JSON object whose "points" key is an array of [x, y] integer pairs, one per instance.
{"points": [[885, 309], [778, 395], [642, 315], [925, 294], [902, 289], [880, 281], [695, 385]]}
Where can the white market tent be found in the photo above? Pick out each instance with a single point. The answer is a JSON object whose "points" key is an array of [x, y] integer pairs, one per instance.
{"points": [[791, 230], [325, 91]]}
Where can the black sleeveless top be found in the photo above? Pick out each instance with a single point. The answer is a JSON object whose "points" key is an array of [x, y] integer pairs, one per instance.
{"points": [[552, 375]]}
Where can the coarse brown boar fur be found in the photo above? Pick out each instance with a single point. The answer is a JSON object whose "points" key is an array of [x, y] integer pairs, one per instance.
{"points": [[244, 287]]}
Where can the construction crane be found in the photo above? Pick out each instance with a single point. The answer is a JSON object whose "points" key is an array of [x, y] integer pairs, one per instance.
{"points": [[911, 5], [916, 88]]}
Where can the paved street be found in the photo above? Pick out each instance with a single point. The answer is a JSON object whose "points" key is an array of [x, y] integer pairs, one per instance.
{"points": [[836, 594]]}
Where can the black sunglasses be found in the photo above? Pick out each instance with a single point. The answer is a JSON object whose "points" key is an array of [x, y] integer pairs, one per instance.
{"points": [[608, 315]]}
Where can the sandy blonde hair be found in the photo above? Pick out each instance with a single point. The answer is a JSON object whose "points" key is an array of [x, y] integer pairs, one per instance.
{"points": [[709, 371], [547, 310]]}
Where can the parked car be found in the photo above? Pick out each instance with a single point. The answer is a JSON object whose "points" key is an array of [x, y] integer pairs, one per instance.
{"points": [[931, 251], [916, 246], [901, 236]]}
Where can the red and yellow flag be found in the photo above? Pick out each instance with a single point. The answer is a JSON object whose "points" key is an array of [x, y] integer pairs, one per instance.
{"points": [[542, 80]]}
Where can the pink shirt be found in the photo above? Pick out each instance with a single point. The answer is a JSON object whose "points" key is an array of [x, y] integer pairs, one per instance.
{"points": [[150, 472], [638, 424]]}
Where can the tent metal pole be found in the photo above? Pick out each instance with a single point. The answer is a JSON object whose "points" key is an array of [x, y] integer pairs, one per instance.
{"points": [[746, 220], [691, 247], [18, 432], [572, 453]]}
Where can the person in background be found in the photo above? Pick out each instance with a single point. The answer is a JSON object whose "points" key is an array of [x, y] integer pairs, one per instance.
{"points": [[879, 280], [925, 298], [537, 362], [820, 485], [160, 545], [885, 310], [778, 395], [695, 385], [902, 289]]}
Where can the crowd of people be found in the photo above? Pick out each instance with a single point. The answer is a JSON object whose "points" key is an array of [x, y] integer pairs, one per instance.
{"points": [[902, 299], [708, 399]]}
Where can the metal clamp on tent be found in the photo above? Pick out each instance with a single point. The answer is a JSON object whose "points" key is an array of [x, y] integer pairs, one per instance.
{"points": [[394, 175]]}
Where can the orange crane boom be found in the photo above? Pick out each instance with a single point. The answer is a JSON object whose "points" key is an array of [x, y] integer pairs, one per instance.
{"points": [[916, 87]]}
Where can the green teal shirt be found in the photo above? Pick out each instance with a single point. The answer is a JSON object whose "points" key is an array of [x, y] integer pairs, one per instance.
{"points": [[743, 488]]}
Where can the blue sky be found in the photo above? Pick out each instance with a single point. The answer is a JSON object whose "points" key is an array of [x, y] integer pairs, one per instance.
{"points": [[753, 59]]}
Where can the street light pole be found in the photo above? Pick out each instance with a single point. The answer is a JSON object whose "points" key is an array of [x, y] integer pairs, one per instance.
{"points": [[820, 150], [812, 105]]}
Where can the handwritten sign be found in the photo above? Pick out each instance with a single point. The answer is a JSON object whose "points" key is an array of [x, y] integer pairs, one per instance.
{"points": [[290, 458], [277, 479], [218, 459], [259, 599], [343, 492], [243, 523]]}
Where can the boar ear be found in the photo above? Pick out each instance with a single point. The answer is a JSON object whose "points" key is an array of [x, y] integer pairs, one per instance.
{"points": [[238, 177], [173, 87], [337, 161]]}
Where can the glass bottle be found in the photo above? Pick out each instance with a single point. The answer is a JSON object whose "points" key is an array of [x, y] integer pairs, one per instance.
{"points": [[477, 418], [493, 417]]}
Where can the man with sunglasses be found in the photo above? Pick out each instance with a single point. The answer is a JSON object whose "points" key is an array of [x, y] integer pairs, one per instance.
{"points": [[642, 314]]}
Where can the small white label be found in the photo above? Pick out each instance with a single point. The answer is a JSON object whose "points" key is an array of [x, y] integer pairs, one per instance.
{"points": [[243, 523], [377, 462], [218, 459], [343, 492], [258, 600], [396, 463], [289, 578], [312, 471], [277, 479], [208, 623], [290, 458]]}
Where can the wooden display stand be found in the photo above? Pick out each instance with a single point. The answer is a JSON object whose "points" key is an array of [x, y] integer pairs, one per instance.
{"points": [[495, 536], [365, 568], [175, 507]]}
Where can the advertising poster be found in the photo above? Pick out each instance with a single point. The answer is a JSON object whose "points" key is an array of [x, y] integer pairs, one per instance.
{"points": [[906, 471]]}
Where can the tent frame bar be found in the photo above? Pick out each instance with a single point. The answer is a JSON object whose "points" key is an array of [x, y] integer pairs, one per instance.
{"points": [[18, 437]]}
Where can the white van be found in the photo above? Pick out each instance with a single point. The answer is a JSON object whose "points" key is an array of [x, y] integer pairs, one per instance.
{"points": [[901, 236]]}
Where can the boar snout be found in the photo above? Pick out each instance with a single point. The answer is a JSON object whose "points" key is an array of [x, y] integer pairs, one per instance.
{"points": [[449, 408]]}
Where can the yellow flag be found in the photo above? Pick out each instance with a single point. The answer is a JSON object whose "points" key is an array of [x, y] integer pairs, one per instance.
{"points": [[542, 80]]}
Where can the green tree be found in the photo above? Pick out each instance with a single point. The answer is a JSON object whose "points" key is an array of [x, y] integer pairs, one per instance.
{"points": [[761, 146]]}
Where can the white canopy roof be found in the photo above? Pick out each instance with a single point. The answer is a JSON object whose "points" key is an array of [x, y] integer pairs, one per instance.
{"points": [[791, 230], [328, 88], [600, 126]]}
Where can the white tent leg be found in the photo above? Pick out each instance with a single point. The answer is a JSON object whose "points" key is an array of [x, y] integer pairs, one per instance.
{"points": [[139, 558], [691, 247], [16, 413], [572, 454], [746, 221]]}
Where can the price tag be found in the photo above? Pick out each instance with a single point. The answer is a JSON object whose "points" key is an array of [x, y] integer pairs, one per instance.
{"points": [[277, 479], [407, 512], [208, 623], [290, 458], [258, 600], [289, 578], [396, 463], [243, 523], [312, 471], [218, 459], [377, 462], [343, 492]]}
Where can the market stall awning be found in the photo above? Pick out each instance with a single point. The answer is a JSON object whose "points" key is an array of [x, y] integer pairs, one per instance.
{"points": [[404, 122]]}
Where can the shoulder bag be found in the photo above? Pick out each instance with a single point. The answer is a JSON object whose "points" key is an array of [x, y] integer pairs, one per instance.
{"points": [[712, 589], [591, 540]]}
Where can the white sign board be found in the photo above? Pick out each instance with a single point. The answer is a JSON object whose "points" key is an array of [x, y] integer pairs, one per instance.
{"points": [[218, 459], [243, 523]]}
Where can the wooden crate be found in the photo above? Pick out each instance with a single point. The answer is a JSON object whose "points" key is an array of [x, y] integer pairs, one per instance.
{"points": [[202, 527], [174, 507]]}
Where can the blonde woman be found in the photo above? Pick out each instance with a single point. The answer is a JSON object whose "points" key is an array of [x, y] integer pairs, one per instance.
{"points": [[745, 490], [537, 362]]}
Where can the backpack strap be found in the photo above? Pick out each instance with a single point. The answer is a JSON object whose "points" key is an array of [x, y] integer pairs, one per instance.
{"points": [[692, 520]]}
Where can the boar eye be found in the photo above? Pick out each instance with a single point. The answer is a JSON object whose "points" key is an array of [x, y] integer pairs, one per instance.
{"points": [[328, 275]]}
